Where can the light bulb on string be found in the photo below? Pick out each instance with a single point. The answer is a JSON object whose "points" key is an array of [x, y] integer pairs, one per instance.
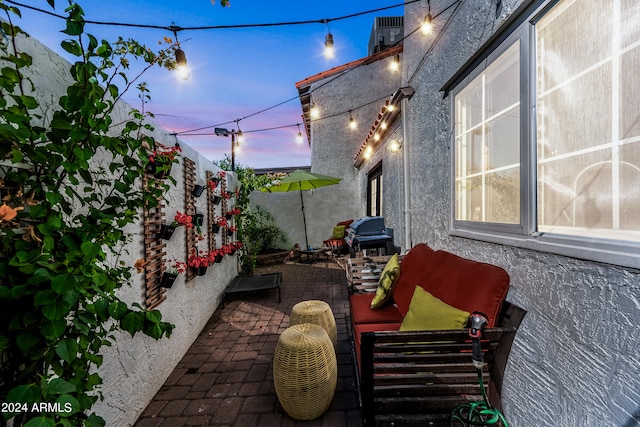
{"points": [[182, 68], [315, 112], [240, 137], [427, 26], [368, 152], [395, 63], [329, 50], [181, 65], [352, 122], [299, 136]]}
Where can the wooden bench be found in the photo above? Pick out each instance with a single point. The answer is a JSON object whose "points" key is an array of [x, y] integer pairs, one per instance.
{"points": [[363, 273], [419, 377]]}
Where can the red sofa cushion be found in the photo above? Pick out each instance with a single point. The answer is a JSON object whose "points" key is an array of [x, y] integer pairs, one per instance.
{"points": [[361, 311], [466, 284], [412, 271], [370, 327]]}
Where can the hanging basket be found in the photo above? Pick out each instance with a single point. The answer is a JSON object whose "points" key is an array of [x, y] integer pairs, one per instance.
{"points": [[167, 280], [219, 258], [197, 219], [215, 228], [229, 232], [201, 271], [217, 200], [197, 190], [166, 231], [228, 215]]}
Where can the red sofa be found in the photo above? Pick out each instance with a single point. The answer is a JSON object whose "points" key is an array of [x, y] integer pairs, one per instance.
{"points": [[418, 377], [463, 283]]}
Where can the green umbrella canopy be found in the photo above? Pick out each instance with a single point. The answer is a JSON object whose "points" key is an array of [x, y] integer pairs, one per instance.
{"points": [[299, 180]]}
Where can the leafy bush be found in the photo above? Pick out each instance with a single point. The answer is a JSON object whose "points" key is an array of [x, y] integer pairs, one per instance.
{"points": [[73, 185]]}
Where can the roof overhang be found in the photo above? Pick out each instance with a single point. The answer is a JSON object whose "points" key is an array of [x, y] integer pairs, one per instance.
{"points": [[388, 113], [304, 86]]}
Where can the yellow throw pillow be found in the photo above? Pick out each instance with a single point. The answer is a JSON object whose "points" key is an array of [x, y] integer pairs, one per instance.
{"points": [[387, 281], [428, 313], [338, 232]]}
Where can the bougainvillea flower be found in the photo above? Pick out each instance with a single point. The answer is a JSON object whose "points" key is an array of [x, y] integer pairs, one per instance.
{"points": [[7, 213]]}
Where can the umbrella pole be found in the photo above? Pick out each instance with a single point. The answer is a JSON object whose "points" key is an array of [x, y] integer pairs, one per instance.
{"points": [[304, 220]]}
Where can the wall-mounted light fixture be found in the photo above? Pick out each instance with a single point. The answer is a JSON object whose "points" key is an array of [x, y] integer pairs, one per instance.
{"points": [[394, 145]]}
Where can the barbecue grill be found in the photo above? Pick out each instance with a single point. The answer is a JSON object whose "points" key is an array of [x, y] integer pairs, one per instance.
{"points": [[369, 232]]}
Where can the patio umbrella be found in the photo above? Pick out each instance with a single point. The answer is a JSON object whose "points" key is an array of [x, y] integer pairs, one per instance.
{"points": [[301, 181]]}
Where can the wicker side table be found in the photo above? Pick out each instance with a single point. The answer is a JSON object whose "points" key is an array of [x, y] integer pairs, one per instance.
{"points": [[316, 312], [305, 371]]}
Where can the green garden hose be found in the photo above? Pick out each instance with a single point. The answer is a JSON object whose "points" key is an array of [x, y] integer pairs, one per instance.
{"points": [[478, 413]]}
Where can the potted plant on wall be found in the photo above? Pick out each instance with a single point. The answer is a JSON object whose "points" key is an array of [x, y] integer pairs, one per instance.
{"points": [[219, 222], [199, 261], [171, 274], [161, 160], [197, 190], [179, 219]]}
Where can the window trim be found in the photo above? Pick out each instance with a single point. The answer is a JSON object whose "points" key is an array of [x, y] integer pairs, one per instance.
{"points": [[521, 26]]}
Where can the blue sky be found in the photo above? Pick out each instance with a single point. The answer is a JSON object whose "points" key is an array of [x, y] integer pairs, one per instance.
{"points": [[234, 72]]}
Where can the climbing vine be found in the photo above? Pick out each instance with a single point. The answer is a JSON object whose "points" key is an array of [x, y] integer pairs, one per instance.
{"points": [[71, 183]]}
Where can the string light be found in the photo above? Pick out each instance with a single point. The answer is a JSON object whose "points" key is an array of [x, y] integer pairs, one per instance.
{"points": [[395, 63], [353, 125], [299, 137], [427, 26], [315, 112], [329, 51], [368, 152], [181, 59]]}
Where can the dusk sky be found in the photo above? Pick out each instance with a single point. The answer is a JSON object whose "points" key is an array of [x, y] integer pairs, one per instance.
{"points": [[234, 72]]}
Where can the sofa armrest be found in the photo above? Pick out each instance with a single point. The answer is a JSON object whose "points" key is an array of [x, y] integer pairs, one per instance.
{"points": [[421, 376]]}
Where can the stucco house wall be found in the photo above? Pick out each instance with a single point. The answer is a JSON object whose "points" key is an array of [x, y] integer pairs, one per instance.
{"points": [[135, 368], [333, 147], [575, 358]]}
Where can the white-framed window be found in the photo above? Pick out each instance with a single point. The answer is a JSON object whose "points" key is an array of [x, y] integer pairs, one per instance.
{"points": [[546, 135]]}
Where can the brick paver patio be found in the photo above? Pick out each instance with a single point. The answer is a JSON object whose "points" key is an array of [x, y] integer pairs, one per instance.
{"points": [[226, 377]]}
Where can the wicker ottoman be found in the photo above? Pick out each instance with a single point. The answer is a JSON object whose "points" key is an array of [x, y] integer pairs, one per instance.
{"points": [[305, 371], [316, 312]]}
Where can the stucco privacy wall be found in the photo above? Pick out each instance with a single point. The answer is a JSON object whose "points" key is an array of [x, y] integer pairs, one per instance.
{"points": [[134, 369], [575, 360], [333, 148]]}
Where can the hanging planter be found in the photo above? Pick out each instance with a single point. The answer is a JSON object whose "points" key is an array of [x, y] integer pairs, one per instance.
{"points": [[166, 231], [217, 200], [228, 215], [167, 280], [201, 271], [215, 228], [197, 190], [231, 230], [160, 169], [218, 258], [198, 219]]}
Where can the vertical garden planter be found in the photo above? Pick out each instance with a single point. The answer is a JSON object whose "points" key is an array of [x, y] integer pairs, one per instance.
{"points": [[160, 169], [166, 231], [197, 190], [167, 280], [215, 228], [198, 219], [217, 200]]}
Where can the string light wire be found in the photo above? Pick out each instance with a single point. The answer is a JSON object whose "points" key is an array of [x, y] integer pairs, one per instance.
{"points": [[174, 28]]}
